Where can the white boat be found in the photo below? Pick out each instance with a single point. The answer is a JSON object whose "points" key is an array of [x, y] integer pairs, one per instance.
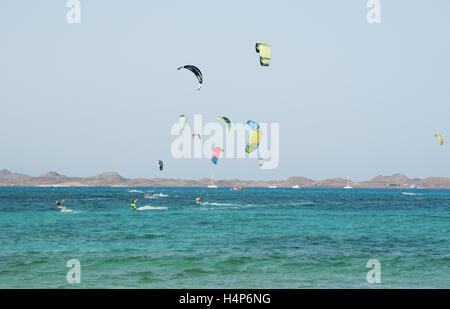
{"points": [[273, 187], [413, 186], [295, 187], [348, 186], [212, 185]]}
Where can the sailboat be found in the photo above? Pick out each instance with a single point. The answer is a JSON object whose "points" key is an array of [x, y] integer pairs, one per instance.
{"points": [[348, 184], [212, 185]]}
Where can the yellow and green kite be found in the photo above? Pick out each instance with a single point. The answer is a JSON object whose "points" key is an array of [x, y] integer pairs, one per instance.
{"points": [[265, 53]]}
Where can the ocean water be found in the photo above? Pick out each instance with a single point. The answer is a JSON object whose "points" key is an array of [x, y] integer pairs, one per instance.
{"points": [[256, 238]]}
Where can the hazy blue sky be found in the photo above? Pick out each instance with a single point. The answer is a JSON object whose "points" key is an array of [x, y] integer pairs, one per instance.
{"points": [[352, 99]]}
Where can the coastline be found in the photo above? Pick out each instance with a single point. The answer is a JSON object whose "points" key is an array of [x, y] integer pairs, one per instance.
{"points": [[112, 179]]}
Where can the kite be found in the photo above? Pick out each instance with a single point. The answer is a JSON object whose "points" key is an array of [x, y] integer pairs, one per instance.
{"points": [[216, 154], [196, 72], [441, 138], [182, 122], [265, 53], [227, 122]]}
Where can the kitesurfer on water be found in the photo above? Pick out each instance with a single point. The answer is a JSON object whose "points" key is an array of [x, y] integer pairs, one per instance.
{"points": [[197, 201], [133, 204], [58, 203]]}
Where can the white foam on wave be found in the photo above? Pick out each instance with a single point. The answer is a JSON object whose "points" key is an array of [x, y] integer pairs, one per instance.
{"points": [[66, 210], [304, 204], [218, 204], [135, 191], [408, 193], [151, 208], [217, 209]]}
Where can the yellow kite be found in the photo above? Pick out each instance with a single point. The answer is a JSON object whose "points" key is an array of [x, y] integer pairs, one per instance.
{"points": [[441, 138], [265, 53]]}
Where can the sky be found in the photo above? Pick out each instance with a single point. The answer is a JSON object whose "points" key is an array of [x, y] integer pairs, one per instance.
{"points": [[352, 99]]}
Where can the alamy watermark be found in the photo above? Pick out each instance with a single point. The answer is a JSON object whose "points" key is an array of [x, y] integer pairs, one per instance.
{"points": [[73, 15], [197, 142], [74, 274], [374, 14], [374, 274]]}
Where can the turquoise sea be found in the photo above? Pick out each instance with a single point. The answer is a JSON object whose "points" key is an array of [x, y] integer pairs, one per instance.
{"points": [[256, 238]]}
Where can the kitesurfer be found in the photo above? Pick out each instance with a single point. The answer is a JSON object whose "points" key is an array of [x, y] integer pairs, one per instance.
{"points": [[133, 204], [197, 201], [58, 203]]}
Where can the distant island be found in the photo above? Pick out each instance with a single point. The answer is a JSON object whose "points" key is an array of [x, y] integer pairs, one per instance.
{"points": [[111, 179]]}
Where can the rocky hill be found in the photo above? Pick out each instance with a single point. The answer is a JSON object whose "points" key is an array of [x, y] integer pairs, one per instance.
{"points": [[113, 179]]}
